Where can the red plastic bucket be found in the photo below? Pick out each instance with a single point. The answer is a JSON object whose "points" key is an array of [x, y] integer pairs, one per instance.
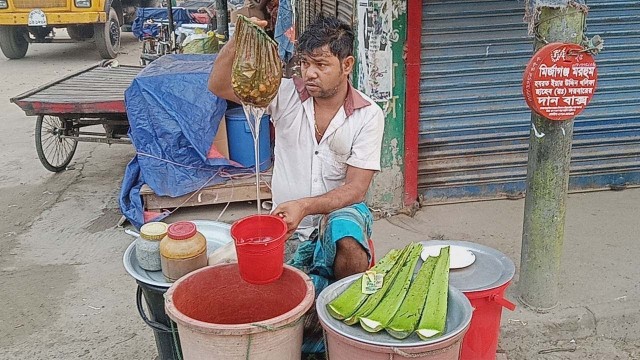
{"points": [[259, 241], [481, 341]]}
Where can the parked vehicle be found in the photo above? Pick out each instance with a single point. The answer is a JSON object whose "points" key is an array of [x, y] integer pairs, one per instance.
{"points": [[33, 21]]}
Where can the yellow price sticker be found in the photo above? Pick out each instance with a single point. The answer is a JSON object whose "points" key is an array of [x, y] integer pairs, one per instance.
{"points": [[371, 282]]}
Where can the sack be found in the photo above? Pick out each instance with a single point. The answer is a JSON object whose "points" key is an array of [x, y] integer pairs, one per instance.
{"points": [[248, 11], [257, 69]]}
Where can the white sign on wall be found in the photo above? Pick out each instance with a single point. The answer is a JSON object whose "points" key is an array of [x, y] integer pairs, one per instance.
{"points": [[375, 71]]}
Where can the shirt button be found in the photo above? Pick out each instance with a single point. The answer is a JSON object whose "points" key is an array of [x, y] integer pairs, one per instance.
{"points": [[316, 152], [315, 180]]}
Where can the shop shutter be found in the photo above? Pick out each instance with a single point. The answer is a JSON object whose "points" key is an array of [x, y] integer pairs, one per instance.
{"points": [[329, 7], [306, 12], [474, 124], [346, 11]]}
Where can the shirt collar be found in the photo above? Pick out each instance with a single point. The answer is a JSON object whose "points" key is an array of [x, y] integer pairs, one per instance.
{"points": [[352, 102]]}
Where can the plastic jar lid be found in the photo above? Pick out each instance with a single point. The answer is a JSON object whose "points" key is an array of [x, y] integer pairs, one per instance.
{"points": [[182, 230], [153, 231]]}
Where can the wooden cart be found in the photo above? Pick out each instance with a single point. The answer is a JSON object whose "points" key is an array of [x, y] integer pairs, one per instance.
{"points": [[65, 107]]}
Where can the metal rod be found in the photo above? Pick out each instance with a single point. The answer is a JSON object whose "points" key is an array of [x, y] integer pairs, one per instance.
{"points": [[124, 141], [222, 18], [91, 133], [171, 29]]}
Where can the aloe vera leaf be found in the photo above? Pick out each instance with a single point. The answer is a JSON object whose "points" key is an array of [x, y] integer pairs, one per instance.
{"points": [[406, 319], [390, 303], [434, 314], [352, 298], [372, 301]]}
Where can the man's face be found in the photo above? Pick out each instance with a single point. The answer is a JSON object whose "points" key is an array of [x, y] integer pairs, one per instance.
{"points": [[323, 72]]}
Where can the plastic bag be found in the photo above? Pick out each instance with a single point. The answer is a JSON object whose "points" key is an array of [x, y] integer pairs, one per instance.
{"points": [[201, 43], [257, 68]]}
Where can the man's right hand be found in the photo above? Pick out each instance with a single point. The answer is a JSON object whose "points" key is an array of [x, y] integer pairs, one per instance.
{"points": [[261, 23], [292, 212]]}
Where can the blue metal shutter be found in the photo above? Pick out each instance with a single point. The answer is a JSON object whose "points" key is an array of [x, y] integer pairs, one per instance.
{"points": [[345, 11], [329, 8], [306, 12], [474, 124]]}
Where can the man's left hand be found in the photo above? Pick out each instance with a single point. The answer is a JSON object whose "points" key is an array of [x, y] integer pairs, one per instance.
{"points": [[292, 212]]}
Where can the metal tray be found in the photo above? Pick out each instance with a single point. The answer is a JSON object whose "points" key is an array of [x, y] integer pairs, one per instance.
{"points": [[490, 270], [216, 233], [458, 318]]}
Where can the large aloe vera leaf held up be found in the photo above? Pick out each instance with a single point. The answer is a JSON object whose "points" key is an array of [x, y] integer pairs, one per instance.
{"points": [[406, 319], [352, 298], [434, 314], [375, 298], [390, 303]]}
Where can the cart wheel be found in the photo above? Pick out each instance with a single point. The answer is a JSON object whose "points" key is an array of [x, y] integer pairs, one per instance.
{"points": [[55, 152]]}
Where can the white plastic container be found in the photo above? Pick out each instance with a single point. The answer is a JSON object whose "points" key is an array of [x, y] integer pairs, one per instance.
{"points": [[148, 245]]}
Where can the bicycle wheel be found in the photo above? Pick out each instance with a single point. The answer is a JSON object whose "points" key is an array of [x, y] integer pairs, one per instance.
{"points": [[54, 151]]}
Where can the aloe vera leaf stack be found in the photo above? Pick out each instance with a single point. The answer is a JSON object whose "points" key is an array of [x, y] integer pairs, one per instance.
{"points": [[406, 319], [390, 303], [434, 314], [375, 298], [352, 298]]}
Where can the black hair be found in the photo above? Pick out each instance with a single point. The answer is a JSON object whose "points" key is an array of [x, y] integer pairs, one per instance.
{"points": [[327, 31]]}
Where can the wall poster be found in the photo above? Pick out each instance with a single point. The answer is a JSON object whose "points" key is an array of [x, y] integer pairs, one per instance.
{"points": [[375, 32]]}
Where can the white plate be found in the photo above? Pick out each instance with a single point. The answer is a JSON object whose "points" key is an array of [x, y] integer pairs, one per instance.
{"points": [[460, 256]]}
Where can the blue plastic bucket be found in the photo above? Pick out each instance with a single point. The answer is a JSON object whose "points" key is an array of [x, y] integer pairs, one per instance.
{"points": [[241, 142]]}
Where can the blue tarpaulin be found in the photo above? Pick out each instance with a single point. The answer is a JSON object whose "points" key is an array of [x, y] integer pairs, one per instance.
{"points": [[140, 29], [173, 120]]}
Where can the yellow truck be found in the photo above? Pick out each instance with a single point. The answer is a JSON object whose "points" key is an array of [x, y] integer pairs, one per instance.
{"points": [[33, 21]]}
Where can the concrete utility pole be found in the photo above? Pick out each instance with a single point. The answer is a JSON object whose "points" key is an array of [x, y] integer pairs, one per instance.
{"points": [[547, 178]]}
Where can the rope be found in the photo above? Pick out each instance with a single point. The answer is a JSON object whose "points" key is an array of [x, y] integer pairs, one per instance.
{"points": [[175, 341], [536, 31], [172, 162], [220, 172], [326, 346], [593, 45], [532, 12], [248, 347], [268, 328], [228, 203], [167, 213], [271, 328]]}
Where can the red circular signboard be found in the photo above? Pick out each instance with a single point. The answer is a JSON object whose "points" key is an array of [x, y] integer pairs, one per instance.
{"points": [[559, 81]]}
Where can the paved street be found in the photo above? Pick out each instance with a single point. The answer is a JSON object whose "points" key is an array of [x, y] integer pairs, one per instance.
{"points": [[66, 295]]}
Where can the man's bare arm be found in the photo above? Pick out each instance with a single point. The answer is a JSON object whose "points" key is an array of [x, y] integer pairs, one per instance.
{"points": [[220, 78], [353, 191]]}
